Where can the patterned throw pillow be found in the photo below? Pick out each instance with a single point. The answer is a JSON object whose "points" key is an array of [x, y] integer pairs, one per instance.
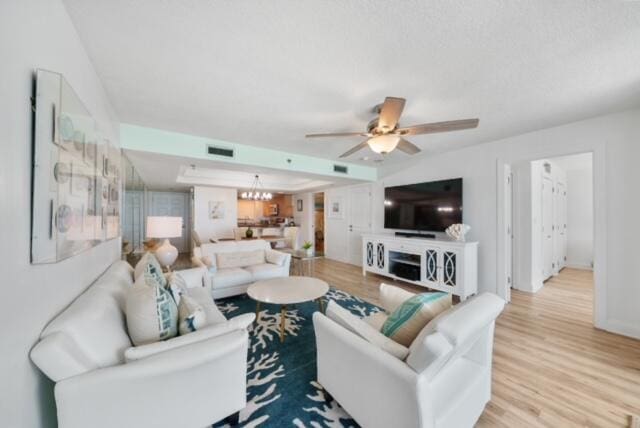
{"points": [[404, 324], [154, 270], [191, 315], [151, 312]]}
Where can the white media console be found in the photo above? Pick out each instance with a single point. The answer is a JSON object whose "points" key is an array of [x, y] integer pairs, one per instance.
{"points": [[443, 265]]}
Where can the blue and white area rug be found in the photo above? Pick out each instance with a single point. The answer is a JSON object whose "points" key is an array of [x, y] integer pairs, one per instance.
{"points": [[281, 377]]}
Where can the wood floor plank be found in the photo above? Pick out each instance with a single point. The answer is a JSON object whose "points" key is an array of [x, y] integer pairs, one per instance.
{"points": [[551, 367]]}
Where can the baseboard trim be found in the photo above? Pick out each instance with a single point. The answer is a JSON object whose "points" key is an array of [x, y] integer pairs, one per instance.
{"points": [[578, 266], [623, 328]]}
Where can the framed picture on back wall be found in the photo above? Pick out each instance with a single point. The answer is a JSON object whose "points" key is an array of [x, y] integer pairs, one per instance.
{"points": [[299, 205]]}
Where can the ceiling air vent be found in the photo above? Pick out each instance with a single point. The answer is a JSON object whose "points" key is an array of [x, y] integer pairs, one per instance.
{"points": [[220, 151], [341, 169]]}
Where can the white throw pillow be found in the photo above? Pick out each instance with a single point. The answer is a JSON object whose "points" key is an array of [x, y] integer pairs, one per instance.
{"points": [[191, 315], [239, 259], [275, 257], [356, 325], [151, 312]]}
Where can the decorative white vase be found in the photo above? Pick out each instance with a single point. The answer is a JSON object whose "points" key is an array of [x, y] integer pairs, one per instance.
{"points": [[458, 231], [309, 252], [166, 254]]}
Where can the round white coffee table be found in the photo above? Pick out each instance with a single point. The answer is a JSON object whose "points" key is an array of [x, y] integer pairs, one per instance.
{"points": [[287, 290]]}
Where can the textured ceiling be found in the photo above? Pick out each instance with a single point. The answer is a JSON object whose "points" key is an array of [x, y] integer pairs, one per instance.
{"points": [[267, 72]]}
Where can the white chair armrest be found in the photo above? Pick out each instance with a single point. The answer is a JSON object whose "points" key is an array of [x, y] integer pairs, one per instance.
{"points": [[194, 277], [241, 322], [151, 391]]}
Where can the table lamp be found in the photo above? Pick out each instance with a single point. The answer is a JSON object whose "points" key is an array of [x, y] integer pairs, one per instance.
{"points": [[165, 227]]}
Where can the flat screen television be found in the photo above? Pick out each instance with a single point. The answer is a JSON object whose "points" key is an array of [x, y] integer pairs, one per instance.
{"points": [[431, 206]]}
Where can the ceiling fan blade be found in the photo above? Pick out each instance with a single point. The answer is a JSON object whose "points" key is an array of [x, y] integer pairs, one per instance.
{"points": [[431, 128], [338, 134], [407, 147], [354, 149], [390, 113]]}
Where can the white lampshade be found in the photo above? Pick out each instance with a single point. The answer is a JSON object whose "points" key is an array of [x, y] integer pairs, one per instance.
{"points": [[164, 227], [383, 143]]}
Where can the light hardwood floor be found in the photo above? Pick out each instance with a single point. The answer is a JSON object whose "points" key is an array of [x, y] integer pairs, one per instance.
{"points": [[551, 367]]}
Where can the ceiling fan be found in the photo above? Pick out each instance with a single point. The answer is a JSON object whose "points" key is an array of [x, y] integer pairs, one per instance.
{"points": [[384, 133]]}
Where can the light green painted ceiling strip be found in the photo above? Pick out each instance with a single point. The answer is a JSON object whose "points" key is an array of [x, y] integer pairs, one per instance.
{"points": [[154, 140]]}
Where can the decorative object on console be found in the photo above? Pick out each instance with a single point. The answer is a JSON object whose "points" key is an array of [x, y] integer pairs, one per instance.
{"points": [[458, 231], [308, 247], [165, 227], [249, 232], [404, 324]]}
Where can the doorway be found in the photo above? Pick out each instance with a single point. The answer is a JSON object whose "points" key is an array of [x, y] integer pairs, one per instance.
{"points": [[318, 222], [552, 201]]}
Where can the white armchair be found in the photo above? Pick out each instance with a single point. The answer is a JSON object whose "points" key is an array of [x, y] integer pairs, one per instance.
{"points": [[102, 381], [445, 381]]}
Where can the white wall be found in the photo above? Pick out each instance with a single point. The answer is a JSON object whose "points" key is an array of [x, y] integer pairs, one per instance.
{"points": [[614, 139], [214, 228], [36, 34], [579, 171]]}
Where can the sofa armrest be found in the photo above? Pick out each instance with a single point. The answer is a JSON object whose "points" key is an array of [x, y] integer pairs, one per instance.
{"points": [[155, 391], [194, 277], [241, 322], [277, 257]]}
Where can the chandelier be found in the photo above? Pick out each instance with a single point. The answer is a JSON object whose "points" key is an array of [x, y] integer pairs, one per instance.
{"points": [[255, 194]]}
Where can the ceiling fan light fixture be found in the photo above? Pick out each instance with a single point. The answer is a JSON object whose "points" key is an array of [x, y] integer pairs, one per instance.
{"points": [[383, 144]]}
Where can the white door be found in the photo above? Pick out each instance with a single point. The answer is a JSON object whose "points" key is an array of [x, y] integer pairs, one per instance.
{"points": [[173, 204], [562, 225], [359, 221], [508, 232], [547, 228]]}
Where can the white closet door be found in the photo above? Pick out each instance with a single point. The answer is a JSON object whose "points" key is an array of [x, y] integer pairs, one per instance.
{"points": [[359, 220], [173, 204], [547, 227]]}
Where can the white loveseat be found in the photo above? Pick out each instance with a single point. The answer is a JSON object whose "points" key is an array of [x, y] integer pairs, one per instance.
{"points": [[102, 381], [231, 281], [445, 381]]}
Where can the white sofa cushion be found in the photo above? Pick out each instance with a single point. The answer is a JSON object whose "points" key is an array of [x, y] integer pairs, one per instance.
{"points": [[239, 259], [276, 257], [391, 297], [404, 324], [151, 312], [356, 325], [264, 271], [376, 320], [230, 277], [429, 354], [236, 323], [191, 315]]}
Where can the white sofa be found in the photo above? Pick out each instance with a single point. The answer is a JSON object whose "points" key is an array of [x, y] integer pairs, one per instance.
{"points": [[232, 281], [445, 381], [102, 381]]}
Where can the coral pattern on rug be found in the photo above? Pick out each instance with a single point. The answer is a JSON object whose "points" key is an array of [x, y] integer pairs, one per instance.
{"points": [[281, 377]]}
